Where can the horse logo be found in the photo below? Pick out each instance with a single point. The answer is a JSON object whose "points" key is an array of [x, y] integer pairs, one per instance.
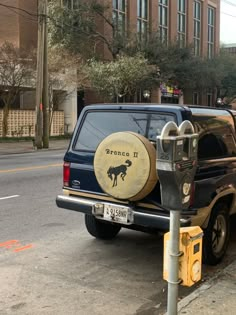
{"points": [[118, 170]]}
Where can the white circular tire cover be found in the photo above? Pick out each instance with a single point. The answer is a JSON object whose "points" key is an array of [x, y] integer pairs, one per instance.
{"points": [[125, 166]]}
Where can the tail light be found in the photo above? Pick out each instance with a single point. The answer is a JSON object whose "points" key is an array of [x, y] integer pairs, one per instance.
{"points": [[66, 174]]}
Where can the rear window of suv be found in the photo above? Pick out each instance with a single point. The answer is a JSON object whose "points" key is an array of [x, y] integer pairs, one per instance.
{"points": [[98, 125]]}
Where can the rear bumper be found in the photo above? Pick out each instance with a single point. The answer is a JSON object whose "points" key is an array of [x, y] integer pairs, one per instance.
{"points": [[141, 217]]}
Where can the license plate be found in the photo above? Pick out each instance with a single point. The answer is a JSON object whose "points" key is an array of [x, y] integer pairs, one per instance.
{"points": [[116, 213]]}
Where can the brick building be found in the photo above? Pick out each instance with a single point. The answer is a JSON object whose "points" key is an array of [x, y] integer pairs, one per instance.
{"points": [[17, 26], [189, 21], [194, 22], [230, 48]]}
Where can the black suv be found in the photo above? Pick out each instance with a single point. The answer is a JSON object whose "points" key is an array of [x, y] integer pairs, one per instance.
{"points": [[114, 191]]}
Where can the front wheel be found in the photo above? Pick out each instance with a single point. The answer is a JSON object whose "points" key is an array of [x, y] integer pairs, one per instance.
{"points": [[100, 229], [216, 235]]}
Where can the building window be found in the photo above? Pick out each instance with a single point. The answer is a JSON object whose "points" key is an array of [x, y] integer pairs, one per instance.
{"points": [[211, 32], [181, 22], [70, 4], [119, 15], [142, 16], [163, 20], [197, 27]]}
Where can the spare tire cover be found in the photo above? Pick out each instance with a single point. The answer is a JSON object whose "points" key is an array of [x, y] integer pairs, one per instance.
{"points": [[125, 166]]}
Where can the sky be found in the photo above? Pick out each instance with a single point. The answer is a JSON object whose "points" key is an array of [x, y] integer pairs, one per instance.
{"points": [[228, 22]]}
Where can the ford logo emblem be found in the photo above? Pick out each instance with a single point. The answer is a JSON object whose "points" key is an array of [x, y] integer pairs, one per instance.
{"points": [[75, 182]]}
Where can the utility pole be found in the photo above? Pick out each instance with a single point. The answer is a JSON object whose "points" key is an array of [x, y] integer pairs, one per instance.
{"points": [[45, 81], [41, 109], [39, 77]]}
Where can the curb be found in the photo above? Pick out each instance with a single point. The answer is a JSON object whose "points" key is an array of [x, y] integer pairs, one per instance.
{"points": [[31, 151], [202, 289], [193, 296]]}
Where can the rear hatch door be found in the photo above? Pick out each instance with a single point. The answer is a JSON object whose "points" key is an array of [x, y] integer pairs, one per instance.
{"points": [[94, 126]]}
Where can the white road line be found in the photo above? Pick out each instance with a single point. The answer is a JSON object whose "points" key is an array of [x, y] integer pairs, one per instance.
{"points": [[9, 197]]}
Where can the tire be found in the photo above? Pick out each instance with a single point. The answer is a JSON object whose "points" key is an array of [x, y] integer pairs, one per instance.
{"points": [[101, 230], [216, 235], [125, 166]]}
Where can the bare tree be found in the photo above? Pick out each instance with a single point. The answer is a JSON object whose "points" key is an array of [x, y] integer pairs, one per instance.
{"points": [[16, 68]]}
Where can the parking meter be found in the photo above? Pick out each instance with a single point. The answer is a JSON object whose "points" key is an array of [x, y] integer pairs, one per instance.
{"points": [[176, 164]]}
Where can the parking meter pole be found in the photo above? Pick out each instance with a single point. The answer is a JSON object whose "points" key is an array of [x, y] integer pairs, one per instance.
{"points": [[173, 255], [176, 168]]}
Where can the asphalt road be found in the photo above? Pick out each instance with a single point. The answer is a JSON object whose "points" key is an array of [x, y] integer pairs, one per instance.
{"points": [[50, 264]]}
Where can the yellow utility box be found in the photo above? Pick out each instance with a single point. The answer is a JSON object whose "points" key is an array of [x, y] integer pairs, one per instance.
{"points": [[190, 259]]}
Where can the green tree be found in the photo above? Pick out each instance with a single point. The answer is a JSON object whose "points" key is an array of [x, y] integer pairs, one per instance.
{"points": [[218, 73], [77, 30], [177, 65], [122, 77], [225, 65]]}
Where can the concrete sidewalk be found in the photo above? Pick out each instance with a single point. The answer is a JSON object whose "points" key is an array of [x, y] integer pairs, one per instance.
{"points": [[215, 297], [27, 146]]}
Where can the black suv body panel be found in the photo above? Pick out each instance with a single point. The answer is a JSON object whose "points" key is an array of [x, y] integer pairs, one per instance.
{"points": [[82, 160], [215, 174]]}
